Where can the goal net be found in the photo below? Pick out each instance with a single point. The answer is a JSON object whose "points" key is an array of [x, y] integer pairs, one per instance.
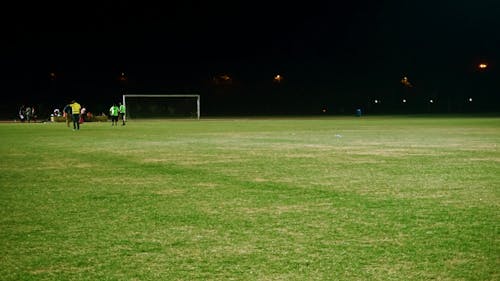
{"points": [[162, 106]]}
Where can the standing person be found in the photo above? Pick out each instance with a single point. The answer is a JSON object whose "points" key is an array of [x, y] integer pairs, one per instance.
{"points": [[83, 114], [21, 113], [75, 109], [67, 111], [113, 112], [33, 114], [122, 112], [27, 114]]}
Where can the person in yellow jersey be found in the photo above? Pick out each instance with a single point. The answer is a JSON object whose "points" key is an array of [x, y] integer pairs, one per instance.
{"points": [[75, 109]]}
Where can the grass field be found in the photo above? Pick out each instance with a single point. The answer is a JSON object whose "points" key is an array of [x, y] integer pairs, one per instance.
{"points": [[371, 198]]}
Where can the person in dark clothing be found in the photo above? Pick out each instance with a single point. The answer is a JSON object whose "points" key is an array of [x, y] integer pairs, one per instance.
{"points": [[68, 114]]}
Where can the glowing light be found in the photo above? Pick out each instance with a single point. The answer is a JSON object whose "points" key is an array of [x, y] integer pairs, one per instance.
{"points": [[431, 101], [404, 100], [376, 101], [406, 82], [122, 77], [483, 65], [223, 79], [278, 78], [470, 99]]}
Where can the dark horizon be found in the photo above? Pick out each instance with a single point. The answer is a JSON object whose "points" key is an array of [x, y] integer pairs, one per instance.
{"points": [[330, 54]]}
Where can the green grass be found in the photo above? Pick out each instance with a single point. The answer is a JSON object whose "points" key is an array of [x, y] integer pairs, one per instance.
{"points": [[371, 198]]}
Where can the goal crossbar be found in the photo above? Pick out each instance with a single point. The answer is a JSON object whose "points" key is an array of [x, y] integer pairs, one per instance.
{"points": [[166, 96]]}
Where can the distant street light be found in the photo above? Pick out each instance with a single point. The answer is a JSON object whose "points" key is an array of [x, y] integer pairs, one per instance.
{"points": [[482, 65], [278, 78], [123, 82], [53, 86], [123, 77], [223, 79], [406, 82]]}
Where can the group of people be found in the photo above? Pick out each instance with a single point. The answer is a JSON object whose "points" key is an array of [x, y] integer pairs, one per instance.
{"points": [[75, 113], [27, 113], [117, 111]]}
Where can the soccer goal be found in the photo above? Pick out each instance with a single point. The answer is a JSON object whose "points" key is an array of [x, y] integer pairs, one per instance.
{"points": [[162, 106]]}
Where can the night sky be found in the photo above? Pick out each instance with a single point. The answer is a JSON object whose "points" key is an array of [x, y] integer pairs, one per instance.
{"points": [[338, 55]]}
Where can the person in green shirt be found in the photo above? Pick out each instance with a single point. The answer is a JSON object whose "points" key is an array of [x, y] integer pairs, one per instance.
{"points": [[121, 111], [113, 112]]}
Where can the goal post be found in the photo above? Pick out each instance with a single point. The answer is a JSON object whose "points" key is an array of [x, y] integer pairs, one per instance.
{"points": [[161, 105]]}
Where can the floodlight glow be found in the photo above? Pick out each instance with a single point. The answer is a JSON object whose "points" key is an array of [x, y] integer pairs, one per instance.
{"points": [[404, 100], [123, 77], [406, 82], [470, 99], [376, 101], [431, 101]]}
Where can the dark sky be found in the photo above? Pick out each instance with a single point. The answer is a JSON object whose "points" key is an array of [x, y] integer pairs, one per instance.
{"points": [[320, 47]]}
